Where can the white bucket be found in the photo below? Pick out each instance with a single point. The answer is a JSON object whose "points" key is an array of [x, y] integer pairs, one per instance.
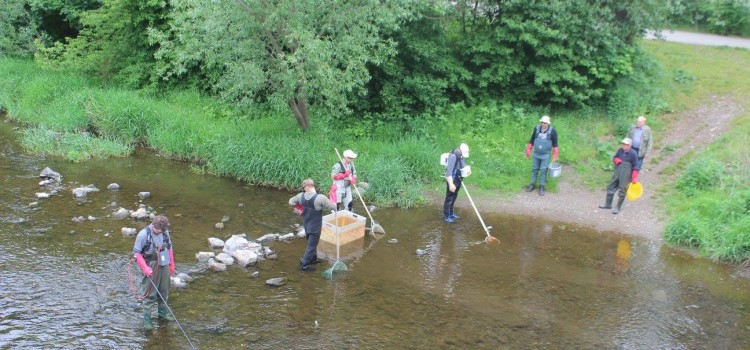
{"points": [[555, 169]]}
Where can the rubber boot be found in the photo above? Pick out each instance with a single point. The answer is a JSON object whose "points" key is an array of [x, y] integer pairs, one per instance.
{"points": [[165, 315], [147, 324], [620, 199], [541, 190], [454, 216], [608, 202], [530, 187]]}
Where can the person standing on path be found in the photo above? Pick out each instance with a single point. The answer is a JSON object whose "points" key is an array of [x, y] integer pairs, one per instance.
{"points": [[312, 217], [626, 171], [640, 133], [344, 175], [453, 178], [543, 141], [154, 254]]}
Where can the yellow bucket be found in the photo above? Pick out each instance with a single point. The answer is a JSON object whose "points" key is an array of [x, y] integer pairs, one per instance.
{"points": [[634, 191]]}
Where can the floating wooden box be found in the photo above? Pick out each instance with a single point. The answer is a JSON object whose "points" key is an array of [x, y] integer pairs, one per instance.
{"points": [[350, 227]]}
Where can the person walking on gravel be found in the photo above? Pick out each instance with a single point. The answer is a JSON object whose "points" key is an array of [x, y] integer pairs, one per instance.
{"points": [[543, 141], [626, 171], [640, 133]]}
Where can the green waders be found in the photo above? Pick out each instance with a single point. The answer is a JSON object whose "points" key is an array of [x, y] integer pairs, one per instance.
{"points": [[161, 279]]}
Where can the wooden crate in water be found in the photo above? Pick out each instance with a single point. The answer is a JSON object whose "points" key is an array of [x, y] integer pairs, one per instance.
{"points": [[350, 227]]}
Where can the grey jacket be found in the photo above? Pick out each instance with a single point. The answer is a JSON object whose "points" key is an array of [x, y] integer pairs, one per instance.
{"points": [[646, 141]]}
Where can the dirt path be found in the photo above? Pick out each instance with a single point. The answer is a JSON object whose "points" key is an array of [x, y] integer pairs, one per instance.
{"points": [[572, 203]]}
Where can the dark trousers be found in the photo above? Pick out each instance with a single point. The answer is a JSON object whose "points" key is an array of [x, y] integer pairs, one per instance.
{"points": [[450, 197], [311, 252]]}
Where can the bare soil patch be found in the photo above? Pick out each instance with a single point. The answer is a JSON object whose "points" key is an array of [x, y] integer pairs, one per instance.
{"points": [[688, 131]]}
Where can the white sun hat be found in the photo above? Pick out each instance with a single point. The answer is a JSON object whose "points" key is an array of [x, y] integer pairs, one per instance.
{"points": [[349, 154]]}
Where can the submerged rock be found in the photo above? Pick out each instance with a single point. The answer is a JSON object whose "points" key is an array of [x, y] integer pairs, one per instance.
{"points": [[216, 266], [128, 231], [113, 187], [276, 282], [204, 256]]}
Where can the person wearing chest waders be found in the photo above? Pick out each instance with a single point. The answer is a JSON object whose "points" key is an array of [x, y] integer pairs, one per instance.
{"points": [[626, 172], [344, 176], [543, 140], [155, 256], [453, 178], [312, 205]]}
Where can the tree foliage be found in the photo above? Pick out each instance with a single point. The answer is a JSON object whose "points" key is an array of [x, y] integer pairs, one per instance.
{"points": [[16, 29], [286, 53], [113, 42]]}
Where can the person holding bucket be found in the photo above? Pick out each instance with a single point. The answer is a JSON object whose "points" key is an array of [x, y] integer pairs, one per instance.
{"points": [[543, 141], [626, 172], [455, 170]]}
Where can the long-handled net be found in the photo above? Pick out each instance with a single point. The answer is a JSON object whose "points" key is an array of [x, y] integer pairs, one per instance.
{"points": [[339, 265], [489, 239]]}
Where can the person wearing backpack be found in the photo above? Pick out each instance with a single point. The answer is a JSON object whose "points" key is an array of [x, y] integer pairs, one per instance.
{"points": [[453, 177], [154, 254], [543, 141]]}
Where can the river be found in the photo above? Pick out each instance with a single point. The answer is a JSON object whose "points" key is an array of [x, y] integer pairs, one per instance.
{"points": [[548, 285]]}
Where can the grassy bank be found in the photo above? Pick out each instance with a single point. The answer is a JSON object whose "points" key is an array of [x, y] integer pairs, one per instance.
{"points": [[67, 116], [709, 206]]}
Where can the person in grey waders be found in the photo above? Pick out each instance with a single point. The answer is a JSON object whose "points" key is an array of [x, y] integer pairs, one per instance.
{"points": [[543, 141], [312, 216], [453, 178], [153, 253], [626, 171]]}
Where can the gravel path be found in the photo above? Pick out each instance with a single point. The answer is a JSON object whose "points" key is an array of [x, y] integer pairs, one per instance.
{"points": [[700, 39], [571, 203]]}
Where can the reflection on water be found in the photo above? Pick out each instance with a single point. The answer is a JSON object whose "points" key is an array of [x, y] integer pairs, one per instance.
{"points": [[548, 285]]}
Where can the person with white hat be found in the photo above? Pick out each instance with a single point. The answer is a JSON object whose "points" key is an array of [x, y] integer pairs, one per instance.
{"points": [[626, 172], [344, 175], [453, 177], [543, 141]]}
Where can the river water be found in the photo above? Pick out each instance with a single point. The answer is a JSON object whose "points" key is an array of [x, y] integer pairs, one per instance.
{"points": [[548, 285]]}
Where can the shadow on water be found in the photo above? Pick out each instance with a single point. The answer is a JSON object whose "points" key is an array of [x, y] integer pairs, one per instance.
{"points": [[548, 285]]}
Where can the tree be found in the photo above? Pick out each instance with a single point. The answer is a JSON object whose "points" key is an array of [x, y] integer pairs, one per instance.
{"points": [[16, 29], [287, 53]]}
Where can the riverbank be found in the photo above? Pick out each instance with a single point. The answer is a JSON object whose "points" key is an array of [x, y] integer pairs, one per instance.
{"points": [[573, 202]]}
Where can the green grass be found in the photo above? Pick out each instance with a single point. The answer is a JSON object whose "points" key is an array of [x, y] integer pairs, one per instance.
{"points": [[710, 207]]}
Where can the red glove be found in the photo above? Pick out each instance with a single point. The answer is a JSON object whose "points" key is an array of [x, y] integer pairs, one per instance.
{"points": [[332, 195], [171, 262], [634, 176], [555, 153], [299, 209], [617, 161], [354, 179], [528, 150], [341, 176], [142, 263]]}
